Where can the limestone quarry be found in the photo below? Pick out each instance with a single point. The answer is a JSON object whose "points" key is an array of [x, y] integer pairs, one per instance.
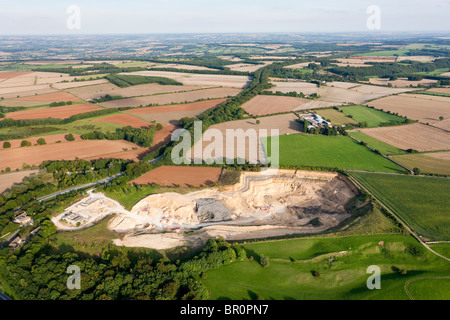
{"points": [[261, 205]]}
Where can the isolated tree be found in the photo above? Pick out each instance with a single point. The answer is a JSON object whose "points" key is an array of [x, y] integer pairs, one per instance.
{"points": [[25, 143], [264, 261], [70, 137], [416, 171], [41, 141], [6, 145], [258, 122], [441, 118]]}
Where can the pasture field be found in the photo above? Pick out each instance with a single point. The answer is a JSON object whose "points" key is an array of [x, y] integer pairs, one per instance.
{"points": [[169, 176], [424, 108], [373, 117], [376, 144], [331, 152], [341, 263], [422, 202], [429, 163], [415, 136]]}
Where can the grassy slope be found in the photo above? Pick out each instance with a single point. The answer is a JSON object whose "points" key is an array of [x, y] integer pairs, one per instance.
{"points": [[422, 202], [338, 151], [292, 261], [425, 163], [373, 117]]}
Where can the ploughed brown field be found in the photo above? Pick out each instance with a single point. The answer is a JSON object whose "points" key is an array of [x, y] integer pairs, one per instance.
{"points": [[415, 136], [202, 105], [48, 139], [265, 105], [125, 120], [441, 90], [424, 108], [35, 155], [56, 112], [52, 97], [9, 75], [182, 176]]}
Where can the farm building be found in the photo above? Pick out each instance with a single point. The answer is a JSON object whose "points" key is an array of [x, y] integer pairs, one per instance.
{"points": [[16, 243], [315, 121], [23, 219]]}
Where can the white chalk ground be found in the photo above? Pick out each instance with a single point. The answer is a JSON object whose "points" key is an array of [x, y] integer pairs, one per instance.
{"points": [[267, 204]]}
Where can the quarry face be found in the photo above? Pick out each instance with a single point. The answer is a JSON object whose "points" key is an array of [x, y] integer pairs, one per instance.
{"points": [[258, 206]]}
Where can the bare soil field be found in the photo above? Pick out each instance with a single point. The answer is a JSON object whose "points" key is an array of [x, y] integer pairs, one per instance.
{"points": [[52, 97], [56, 112], [301, 65], [265, 105], [415, 136], [125, 120], [440, 90], [374, 59], [352, 63], [336, 93], [284, 124], [182, 176], [35, 155], [93, 91], [50, 139], [77, 84], [200, 79], [9, 75], [7, 180], [24, 91], [445, 74], [402, 82], [424, 108], [179, 97]]}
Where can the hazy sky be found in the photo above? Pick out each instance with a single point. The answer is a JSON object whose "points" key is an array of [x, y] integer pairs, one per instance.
{"points": [[212, 16]]}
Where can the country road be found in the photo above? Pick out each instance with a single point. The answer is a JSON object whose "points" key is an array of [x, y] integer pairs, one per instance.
{"points": [[4, 296]]}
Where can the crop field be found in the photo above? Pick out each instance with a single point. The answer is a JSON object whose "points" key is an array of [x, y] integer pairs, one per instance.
{"points": [[440, 90], [335, 117], [415, 136], [7, 180], [177, 97], [422, 202], [340, 263], [424, 108], [430, 163], [9, 75], [35, 155], [265, 105], [402, 82], [373, 117], [56, 112], [125, 120], [180, 176], [331, 152], [246, 67], [52, 97], [77, 84], [199, 79], [376, 144]]}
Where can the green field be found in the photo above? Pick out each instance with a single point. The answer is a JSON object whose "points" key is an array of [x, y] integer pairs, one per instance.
{"points": [[421, 202], [331, 152], [292, 262], [376, 144], [431, 93], [373, 117], [385, 53]]}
